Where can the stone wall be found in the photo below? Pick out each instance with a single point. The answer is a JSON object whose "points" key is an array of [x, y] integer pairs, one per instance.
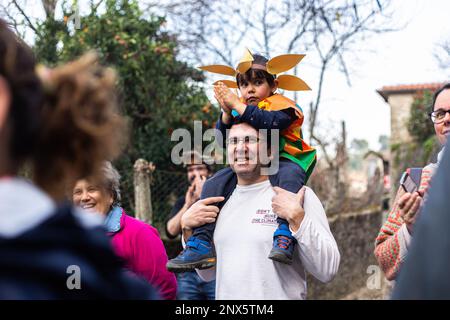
{"points": [[400, 104], [400, 111], [355, 235]]}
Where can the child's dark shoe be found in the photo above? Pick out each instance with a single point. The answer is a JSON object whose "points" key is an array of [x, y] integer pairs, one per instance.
{"points": [[198, 254], [283, 248]]}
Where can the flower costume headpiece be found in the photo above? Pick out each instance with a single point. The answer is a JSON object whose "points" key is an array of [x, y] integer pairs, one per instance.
{"points": [[274, 66]]}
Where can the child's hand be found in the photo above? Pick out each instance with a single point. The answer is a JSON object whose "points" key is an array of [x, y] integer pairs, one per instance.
{"points": [[222, 105], [226, 96], [226, 114]]}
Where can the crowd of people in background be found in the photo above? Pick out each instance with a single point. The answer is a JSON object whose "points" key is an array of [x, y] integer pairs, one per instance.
{"points": [[245, 234]]}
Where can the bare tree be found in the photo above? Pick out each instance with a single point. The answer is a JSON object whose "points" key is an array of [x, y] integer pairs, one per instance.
{"points": [[13, 12], [24, 16], [443, 55], [213, 30], [49, 7], [332, 32]]}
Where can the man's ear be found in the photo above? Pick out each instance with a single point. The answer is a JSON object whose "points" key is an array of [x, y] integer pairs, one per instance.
{"points": [[270, 153], [5, 101], [271, 157]]}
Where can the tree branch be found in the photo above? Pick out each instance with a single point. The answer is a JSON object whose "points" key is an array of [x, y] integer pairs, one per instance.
{"points": [[29, 23], [324, 150]]}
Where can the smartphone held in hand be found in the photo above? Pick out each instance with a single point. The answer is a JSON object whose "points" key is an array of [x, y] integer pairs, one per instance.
{"points": [[408, 183]]}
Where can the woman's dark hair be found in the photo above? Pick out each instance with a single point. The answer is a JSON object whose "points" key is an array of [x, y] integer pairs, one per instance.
{"points": [[437, 93], [253, 74], [17, 67], [64, 119]]}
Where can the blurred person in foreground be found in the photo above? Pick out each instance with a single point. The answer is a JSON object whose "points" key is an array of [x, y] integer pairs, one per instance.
{"points": [[63, 124]]}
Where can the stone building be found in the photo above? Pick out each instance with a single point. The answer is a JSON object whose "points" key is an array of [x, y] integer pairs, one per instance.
{"points": [[400, 98]]}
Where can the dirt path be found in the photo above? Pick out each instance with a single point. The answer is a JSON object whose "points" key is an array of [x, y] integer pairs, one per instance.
{"points": [[367, 294]]}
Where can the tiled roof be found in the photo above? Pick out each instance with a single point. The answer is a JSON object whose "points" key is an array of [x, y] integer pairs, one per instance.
{"points": [[385, 91]]}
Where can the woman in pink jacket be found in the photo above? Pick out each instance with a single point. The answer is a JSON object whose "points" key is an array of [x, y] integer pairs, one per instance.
{"points": [[135, 242]]}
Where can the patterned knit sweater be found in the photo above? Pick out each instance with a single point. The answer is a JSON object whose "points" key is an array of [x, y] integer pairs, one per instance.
{"points": [[392, 242]]}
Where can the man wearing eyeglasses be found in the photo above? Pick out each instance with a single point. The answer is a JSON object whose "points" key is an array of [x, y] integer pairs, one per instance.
{"points": [[247, 221], [392, 243]]}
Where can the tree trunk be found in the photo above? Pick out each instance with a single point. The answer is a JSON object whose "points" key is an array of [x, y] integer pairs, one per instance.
{"points": [[142, 193], [49, 8]]}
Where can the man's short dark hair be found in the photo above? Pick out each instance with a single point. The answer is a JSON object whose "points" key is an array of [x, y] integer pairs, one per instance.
{"points": [[437, 93]]}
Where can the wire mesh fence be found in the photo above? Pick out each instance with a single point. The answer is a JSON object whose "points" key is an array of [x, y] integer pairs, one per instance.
{"points": [[166, 188]]}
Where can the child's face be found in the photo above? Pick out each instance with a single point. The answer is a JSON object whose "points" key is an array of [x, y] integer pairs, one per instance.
{"points": [[255, 90]]}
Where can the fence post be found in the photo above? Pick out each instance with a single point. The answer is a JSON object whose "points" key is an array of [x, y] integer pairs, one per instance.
{"points": [[142, 193]]}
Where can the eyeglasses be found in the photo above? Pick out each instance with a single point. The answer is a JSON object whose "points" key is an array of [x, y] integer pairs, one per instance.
{"points": [[246, 140], [438, 116]]}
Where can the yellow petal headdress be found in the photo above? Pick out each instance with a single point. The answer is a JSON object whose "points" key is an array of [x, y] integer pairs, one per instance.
{"points": [[275, 66]]}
